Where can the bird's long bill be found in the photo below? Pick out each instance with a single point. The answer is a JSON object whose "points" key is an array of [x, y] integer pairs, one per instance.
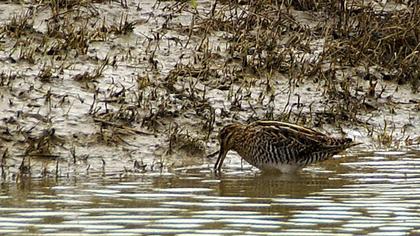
{"points": [[220, 159]]}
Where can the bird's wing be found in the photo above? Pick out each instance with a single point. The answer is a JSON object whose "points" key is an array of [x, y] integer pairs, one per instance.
{"points": [[288, 126], [299, 139]]}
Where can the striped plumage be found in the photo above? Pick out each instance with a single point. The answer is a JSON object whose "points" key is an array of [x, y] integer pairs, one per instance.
{"points": [[272, 145]]}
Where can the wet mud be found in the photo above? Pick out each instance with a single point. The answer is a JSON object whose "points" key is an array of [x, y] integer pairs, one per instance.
{"points": [[144, 86]]}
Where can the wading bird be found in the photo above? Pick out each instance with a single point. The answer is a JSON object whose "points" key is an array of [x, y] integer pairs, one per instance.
{"points": [[278, 146]]}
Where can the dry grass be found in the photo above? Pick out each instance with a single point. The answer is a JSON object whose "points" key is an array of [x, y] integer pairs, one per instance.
{"points": [[347, 49]]}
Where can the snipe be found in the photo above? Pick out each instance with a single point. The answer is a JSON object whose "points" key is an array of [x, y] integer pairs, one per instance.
{"points": [[272, 145]]}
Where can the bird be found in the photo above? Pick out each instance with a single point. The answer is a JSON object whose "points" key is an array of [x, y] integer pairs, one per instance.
{"points": [[278, 146]]}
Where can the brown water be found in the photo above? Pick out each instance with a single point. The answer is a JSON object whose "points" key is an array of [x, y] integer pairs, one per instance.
{"points": [[372, 193], [375, 193]]}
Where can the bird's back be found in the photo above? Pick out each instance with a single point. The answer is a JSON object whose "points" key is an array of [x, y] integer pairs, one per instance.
{"points": [[284, 146]]}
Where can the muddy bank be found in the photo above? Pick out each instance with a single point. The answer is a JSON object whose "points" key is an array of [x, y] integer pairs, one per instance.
{"points": [[133, 87]]}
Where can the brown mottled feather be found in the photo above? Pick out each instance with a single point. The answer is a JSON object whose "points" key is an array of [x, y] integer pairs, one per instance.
{"points": [[278, 145]]}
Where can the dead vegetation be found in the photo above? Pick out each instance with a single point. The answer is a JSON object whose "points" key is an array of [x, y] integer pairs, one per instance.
{"points": [[197, 68]]}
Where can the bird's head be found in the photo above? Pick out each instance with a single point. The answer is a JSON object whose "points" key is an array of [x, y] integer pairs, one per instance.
{"points": [[227, 139]]}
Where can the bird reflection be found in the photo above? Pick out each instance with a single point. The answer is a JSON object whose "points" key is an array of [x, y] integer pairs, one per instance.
{"points": [[271, 184]]}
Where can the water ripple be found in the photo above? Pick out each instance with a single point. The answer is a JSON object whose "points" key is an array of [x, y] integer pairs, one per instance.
{"points": [[375, 194]]}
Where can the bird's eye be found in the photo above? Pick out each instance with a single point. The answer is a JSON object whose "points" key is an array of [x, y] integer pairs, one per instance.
{"points": [[223, 133]]}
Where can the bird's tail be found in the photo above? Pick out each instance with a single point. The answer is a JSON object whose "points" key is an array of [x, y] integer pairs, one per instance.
{"points": [[348, 142], [341, 144]]}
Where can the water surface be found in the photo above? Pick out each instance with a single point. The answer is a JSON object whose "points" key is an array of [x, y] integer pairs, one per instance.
{"points": [[374, 193]]}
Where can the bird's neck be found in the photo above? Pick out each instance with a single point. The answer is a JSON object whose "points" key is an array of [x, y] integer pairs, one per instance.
{"points": [[240, 140]]}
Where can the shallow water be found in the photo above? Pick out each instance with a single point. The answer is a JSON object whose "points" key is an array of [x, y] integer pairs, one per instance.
{"points": [[370, 193]]}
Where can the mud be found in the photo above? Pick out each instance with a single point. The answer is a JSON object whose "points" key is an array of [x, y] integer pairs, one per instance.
{"points": [[144, 86]]}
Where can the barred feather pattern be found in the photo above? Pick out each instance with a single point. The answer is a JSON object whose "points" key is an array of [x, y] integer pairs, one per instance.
{"points": [[273, 145]]}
